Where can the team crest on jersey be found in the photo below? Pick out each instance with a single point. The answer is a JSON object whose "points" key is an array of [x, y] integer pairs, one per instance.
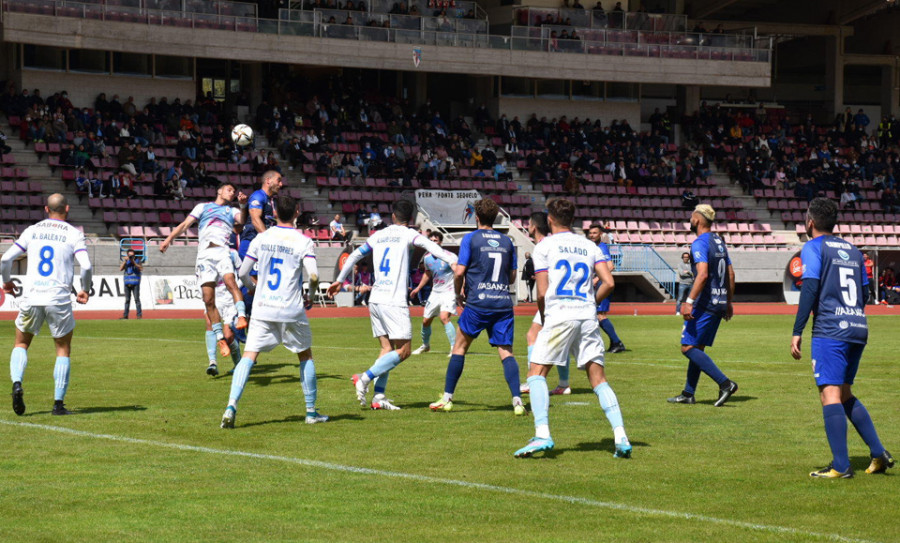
{"points": [[843, 254], [844, 325], [697, 254], [493, 243]]}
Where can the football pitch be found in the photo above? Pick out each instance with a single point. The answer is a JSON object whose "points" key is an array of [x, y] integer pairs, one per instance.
{"points": [[143, 457]]}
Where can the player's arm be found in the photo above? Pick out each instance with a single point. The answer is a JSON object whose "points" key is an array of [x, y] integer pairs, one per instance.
{"points": [[426, 277], [607, 283], [435, 249], [241, 216], [244, 272], [542, 281], [312, 271], [361, 252], [6, 262], [729, 309], [180, 229], [697, 288], [256, 217], [811, 257], [87, 275]]}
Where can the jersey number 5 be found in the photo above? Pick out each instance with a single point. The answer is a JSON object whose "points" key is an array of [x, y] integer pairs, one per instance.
{"points": [[274, 271], [848, 287]]}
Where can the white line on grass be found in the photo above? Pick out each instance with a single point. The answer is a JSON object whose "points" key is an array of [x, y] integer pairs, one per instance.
{"points": [[448, 482]]}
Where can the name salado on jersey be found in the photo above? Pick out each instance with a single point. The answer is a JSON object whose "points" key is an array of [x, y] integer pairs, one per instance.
{"points": [[839, 313], [489, 257], [709, 248]]}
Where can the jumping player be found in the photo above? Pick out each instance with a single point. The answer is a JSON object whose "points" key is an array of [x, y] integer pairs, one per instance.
{"points": [[442, 300]]}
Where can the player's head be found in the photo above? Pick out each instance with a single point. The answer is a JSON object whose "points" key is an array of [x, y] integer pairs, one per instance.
{"points": [[702, 218], [821, 215], [403, 211], [226, 191], [286, 208], [436, 237], [57, 206], [271, 182], [595, 232], [560, 213], [537, 225], [486, 211]]}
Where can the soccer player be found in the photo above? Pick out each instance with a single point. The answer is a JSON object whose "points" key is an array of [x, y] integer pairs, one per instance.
{"points": [[564, 264], [442, 300], [597, 235], [388, 305], [705, 307], [259, 209], [228, 312], [51, 246], [487, 266], [835, 290], [217, 221], [281, 254]]}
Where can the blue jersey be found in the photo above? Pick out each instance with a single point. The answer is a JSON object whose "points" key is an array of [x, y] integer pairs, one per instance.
{"points": [[258, 200], [489, 257], [710, 248], [839, 312]]}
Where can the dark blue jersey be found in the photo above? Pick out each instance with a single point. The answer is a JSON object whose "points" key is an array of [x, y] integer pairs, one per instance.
{"points": [[258, 200], [710, 248], [839, 313], [489, 257]]}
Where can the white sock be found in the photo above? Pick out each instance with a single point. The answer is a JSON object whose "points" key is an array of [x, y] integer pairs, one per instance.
{"points": [[619, 434], [542, 431]]}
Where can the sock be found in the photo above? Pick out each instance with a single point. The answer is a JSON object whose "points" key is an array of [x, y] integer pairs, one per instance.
{"points": [[450, 330], [859, 416], [381, 382], [217, 330], [511, 373], [530, 348], [61, 376], [454, 372], [17, 362], [239, 380], [383, 365], [836, 431], [540, 405], [563, 375], [610, 405], [693, 377], [610, 330], [211, 345], [426, 335], [706, 364], [235, 351], [308, 382], [241, 308]]}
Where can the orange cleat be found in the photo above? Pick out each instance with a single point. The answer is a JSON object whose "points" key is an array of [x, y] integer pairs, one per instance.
{"points": [[241, 323], [224, 349]]}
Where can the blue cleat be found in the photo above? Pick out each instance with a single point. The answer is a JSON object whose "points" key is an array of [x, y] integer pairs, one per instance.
{"points": [[535, 444], [623, 449]]}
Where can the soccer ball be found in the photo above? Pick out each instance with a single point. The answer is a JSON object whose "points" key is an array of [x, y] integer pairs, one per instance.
{"points": [[242, 135]]}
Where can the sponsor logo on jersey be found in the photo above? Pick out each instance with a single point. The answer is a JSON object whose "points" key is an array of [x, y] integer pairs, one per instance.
{"points": [[843, 254], [844, 325], [493, 243]]}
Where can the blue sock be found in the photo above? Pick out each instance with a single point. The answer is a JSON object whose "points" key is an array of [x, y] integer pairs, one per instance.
{"points": [[530, 348], [540, 400], [426, 335], [693, 377], [859, 416], [241, 308], [217, 330], [563, 374], [610, 330], [383, 365], [454, 372], [450, 330], [836, 430], [381, 382], [308, 382], [61, 377], [235, 351], [610, 404], [511, 373], [211, 345], [17, 362], [706, 365], [239, 380]]}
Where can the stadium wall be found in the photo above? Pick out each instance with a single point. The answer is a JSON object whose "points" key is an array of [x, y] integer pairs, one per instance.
{"points": [[84, 88], [606, 111]]}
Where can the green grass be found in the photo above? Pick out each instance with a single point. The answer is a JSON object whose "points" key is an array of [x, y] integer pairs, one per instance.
{"points": [[744, 463]]}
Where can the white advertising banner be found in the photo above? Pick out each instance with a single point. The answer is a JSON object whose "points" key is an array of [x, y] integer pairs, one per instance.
{"points": [[455, 207]]}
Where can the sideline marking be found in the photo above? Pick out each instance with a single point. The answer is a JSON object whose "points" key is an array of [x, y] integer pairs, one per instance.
{"points": [[449, 482]]}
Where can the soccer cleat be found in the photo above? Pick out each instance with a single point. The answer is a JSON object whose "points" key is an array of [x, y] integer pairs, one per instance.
{"points": [[725, 392], [241, 323], [60, 409], [829, 472], [880, 464], [212, 370], [361, 389], [617, 347], [623, 449], [18, 399], [683, 398], [224, 349], [228, 417], [519, 410], [441, 405], [524, 388], [313, 417], [380, 402], [561, 390], [535, 444], [422, 349]]}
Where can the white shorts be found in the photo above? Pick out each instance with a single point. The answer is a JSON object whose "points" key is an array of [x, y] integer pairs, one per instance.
{"points": [[227, 311], [59, 319], [263, 336], [537, 319], [213, 264], [391, 321], [580, 338], [440, 303]]}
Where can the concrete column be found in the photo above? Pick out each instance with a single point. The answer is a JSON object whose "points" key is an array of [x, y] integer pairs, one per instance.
{"points": [[890, 93], [253, 84], [834, 75], [688, 99]]}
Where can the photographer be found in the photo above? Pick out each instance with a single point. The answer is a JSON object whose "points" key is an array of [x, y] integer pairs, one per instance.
{"points": [[132, 279]]}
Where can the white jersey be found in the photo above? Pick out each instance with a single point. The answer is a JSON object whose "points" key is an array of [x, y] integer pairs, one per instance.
{"points": [[51, 246], [281, 253], [569, 261], [216, 223]]}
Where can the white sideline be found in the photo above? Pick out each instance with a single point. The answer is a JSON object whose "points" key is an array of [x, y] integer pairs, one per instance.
{"points": [[449, 482]]}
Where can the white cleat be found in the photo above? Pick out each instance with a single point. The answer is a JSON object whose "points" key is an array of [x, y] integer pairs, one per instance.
{"points": [[314, 417], [361, 389], [524, 388], [380, 402], [561, 390], [422, 349]]}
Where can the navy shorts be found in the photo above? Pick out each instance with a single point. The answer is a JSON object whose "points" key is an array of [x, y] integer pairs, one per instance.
{"points": [[499, 325], [603, 306], [701, 330], [835, 362]]}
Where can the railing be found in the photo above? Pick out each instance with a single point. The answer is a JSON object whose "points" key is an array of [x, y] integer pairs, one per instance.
{"points": [[384, 20], [643, 258], [621, 20]]}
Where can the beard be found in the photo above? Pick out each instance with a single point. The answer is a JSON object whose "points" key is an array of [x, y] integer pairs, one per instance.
{"points": [[694, 227], [809, 231]]}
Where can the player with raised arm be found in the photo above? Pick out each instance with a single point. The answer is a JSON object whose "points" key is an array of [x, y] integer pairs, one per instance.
{"points": [[259, 208], [707, 304], [835, 290], [217, 222], [596, 233], [484, 273], [281, 253], [442, 300], [52, 246], [564, 266], [388, 300], [228, 312]]}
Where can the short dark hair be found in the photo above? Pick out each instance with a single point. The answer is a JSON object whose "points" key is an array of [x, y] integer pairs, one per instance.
{"points": [[436, 234], [823, 212], [226, 184], [285, 207], [562, 211], [403, 210], [598, 225], [486, 210], [539, 220]]}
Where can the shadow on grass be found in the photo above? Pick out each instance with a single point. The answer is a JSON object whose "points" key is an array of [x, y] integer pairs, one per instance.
{"points": [[733, 399], [302, 419], [607, 444], [860, 463], [90, 410], [464, 407]]}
